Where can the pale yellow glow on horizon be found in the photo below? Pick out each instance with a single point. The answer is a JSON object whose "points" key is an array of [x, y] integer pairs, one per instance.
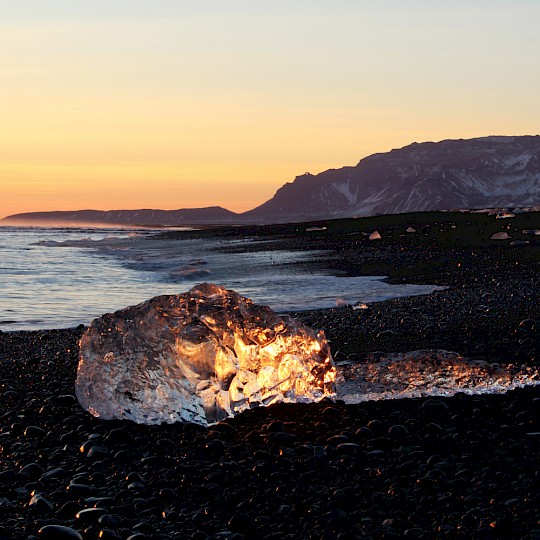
{"points": [[133, 104]]}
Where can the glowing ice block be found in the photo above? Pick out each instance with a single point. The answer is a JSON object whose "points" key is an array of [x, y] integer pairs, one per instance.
{"points": [[198, 357]]}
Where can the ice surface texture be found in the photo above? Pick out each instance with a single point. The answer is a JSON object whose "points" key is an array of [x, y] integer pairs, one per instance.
{"points": [[198, 357], [429, 372]]}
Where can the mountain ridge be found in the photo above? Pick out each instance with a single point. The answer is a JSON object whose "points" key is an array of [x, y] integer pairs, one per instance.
{"points": [[492, 171], [142, 217], [484, 172]]}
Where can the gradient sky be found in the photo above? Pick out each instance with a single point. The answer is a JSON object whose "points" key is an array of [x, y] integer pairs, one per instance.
{"points": [[187, 103]]}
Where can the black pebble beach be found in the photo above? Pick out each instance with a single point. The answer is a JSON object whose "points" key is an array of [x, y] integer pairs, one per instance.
{"points": [[465, 467]]}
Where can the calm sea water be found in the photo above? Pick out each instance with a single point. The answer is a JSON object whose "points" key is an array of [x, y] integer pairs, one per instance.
{"points": [[58, 278]]}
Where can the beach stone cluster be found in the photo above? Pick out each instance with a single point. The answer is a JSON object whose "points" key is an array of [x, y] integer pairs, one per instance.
{"points": [[460, 467], [465, 467]]}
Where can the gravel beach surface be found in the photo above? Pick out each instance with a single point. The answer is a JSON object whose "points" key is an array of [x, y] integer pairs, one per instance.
{"points": [[460, 467]]}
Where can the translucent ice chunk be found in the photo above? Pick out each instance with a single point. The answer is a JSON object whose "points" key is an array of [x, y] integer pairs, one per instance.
{"points": [[429, 372], [198, 357]]}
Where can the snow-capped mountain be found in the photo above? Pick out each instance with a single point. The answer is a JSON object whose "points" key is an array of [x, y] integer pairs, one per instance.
{"points": [[486, 172]]}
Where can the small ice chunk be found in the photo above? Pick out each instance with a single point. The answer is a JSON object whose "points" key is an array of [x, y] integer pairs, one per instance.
{"points": [[428, 372], [198, 357], [500, 236], [375, 235], [519, 242]]}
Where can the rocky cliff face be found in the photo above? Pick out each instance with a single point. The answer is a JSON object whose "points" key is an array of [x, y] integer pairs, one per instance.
{"points": [[476, 173]]}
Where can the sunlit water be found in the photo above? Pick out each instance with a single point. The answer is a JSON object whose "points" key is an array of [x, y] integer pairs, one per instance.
{"points": [[58, 278]]}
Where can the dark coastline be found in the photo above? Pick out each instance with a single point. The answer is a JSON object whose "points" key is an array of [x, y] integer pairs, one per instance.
{"points": [[460, 467]]}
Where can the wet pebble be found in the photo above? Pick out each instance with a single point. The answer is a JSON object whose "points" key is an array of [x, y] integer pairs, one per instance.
{"points": [[38, 503], [118, 436], [97, 452], [398, 432], [81, 490], [58, 532], [90, 515], [34, 432], [348, 448]]}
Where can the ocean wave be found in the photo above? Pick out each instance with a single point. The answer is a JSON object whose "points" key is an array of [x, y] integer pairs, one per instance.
{"points": [[188, 272]]}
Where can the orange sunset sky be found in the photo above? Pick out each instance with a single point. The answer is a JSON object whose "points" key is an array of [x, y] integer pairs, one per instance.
{"points": [[175, 104]]}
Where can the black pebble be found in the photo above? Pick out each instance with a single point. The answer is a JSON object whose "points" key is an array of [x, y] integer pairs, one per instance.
{"points": [[119, 436], [34, 432], [58, 532], [90, 515], [40, 504]]}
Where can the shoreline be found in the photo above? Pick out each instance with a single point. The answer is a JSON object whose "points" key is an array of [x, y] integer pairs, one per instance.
{"points": [[491, 287]]}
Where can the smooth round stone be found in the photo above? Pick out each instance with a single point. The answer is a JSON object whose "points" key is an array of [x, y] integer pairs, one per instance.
{"points": [[275, 427], [285, 439], [81, 490], [331, 412], [167, 494], [376, 426], [91, 515], [58, 532], [216, 447], [111, 521], [40, 504], [223, 428], [434, 460], [135, 477], [101, 502], [70, 437], [53, 474], [364, 433], [143, 528], [241, 523], [435, 408], [337, 440], [86, 445], [34, 432], [345, 449], [69, 509], [398, 431], [32, 470], [107, 534], [119, 436], [304, 450], [97, 452]]}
